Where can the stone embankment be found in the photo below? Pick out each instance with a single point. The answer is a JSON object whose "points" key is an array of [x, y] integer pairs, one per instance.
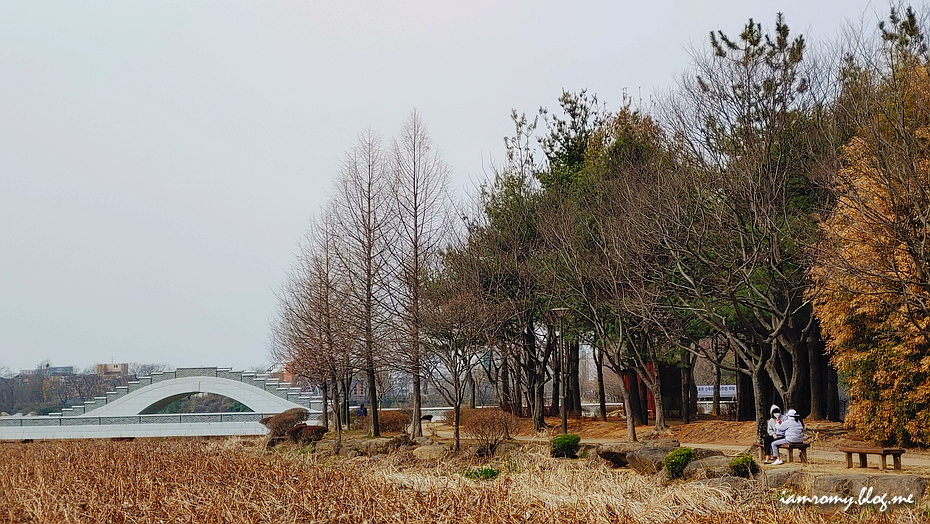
{"points": [[827, 491]]}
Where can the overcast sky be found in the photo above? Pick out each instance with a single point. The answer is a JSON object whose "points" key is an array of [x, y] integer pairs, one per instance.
{"points": [[160, 162]]}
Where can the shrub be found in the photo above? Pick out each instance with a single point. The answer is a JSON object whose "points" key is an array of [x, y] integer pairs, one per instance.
{"points": [[304, 434], [485, 473], [743, 465], [391, 421], [676, 461], [388, 422], [488, 427], [279, 424], [565, 445]]}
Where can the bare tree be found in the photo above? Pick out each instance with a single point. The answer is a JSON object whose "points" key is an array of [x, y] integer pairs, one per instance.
{"points": [[361, 205], [9, 387], [457, 322], [422, 219], [311, 336], [139, 369]]}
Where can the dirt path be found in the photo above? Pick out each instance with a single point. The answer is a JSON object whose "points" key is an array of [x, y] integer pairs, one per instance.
{"points": [[731, 438]]}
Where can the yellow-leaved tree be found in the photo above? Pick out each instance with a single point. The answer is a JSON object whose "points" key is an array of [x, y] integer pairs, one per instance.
{"points": [[872, 276]]}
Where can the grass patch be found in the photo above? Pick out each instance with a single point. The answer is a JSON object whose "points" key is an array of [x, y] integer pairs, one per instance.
{"points": [[483, 473]]}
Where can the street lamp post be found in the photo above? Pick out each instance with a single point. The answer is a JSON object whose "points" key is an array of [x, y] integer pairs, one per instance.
{"points": [[560, 313]]}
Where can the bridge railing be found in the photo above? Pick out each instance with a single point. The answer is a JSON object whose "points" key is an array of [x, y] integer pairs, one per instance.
{"points": [[174, 418]]}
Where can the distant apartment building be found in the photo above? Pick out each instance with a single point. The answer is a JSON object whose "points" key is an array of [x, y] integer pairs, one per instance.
{"points": [[113, 369]]}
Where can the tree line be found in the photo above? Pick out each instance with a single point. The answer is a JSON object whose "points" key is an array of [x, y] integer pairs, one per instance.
{"points": [[770, 215]]}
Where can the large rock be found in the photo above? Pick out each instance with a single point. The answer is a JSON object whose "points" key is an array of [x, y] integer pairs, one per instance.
{"points": [[703, 453], [890, 485], [506, 447], [325, 448], [366, 446], [586, 450], [614, 453], [707, 468], [649, 460], [435, 451], [402, 440], [375, 446], [786, 478]]}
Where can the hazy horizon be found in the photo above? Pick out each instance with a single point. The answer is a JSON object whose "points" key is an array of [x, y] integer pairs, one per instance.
{"points": [[161, 162]]}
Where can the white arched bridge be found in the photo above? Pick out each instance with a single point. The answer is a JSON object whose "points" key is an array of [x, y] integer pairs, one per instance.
{"points": [[133, 410]]}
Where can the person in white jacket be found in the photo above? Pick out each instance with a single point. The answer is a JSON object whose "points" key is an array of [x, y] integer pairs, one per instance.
{"points": [[793, 432]]}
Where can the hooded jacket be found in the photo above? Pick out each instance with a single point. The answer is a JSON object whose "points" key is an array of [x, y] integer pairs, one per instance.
{"points": [[771, 429], [791, 427]]}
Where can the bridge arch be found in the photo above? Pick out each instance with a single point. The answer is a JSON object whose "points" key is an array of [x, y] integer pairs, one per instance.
{"points": [[152, 397]]}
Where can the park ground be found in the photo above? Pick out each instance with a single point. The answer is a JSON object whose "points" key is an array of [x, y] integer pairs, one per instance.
{"points": [[825, 438], [236, 479]]}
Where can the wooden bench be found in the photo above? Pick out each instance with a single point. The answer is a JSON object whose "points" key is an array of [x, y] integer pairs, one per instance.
{"points": [[802, 448], [883, 452]]}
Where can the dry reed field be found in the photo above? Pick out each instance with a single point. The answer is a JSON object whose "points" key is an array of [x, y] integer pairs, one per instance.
{"points": [[237, 480]]}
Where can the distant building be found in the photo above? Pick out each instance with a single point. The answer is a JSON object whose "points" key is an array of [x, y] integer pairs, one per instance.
{"points": [[113, 370], [283, 376], [48, 371]]}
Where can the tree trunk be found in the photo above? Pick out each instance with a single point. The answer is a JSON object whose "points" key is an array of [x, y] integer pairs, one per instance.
{"points": [[556, 380], [416, 427], [458, 420], [660, 409], [539, 421], [373, 428], [505, 398], [518, 389], [326, 404], [716, 408], [761, 415], [601, 394], [833, 394], [817, 375], [473, 390], [637, 399], [337, 410], [627, 405], [574, 378], [685, 395], [347, 413]]}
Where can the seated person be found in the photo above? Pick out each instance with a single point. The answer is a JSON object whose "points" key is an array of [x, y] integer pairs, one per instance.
{"points": [[772, 433], [792, 429]]}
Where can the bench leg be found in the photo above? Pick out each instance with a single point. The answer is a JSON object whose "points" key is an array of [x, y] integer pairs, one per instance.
{"points": [[803, 456], [897, 460], [884, 464], [863, 463], [848, 459], [790, 454]]}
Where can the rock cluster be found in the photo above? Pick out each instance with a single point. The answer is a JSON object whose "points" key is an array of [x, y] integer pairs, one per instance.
{"points": [[712, 468]]}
